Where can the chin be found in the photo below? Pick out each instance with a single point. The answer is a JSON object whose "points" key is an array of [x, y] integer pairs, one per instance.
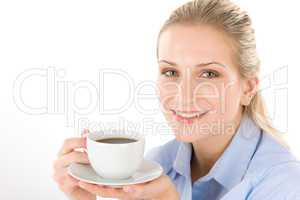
{"points": [[188, 138], [188, 133]]}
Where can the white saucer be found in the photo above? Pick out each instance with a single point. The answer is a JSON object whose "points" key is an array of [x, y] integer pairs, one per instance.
{"points": [[148, 171]]}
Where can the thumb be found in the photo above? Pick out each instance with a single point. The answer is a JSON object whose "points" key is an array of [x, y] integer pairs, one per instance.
{"points": [[85, 132]]}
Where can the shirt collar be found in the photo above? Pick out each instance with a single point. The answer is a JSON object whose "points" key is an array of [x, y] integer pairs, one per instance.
{"points": [[182, 160], [236, 156]]}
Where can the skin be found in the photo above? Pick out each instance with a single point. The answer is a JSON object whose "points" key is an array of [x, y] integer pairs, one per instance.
{"points": [[184, 85], [65, 157]]}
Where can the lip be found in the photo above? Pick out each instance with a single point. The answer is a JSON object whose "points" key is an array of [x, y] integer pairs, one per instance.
{"points": [[188, 117]]}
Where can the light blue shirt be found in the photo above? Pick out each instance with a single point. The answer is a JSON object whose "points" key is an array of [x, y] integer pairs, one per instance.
{"points": [[253, 167]]}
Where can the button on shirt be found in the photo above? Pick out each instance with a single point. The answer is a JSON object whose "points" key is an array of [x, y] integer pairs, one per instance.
{"points": [[254, 166]]}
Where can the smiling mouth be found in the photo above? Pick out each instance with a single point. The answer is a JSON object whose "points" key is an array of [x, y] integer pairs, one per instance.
{"points": [[188, 117]]}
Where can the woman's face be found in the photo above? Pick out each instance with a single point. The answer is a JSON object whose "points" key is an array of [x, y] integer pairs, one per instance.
{"points": [[200, 88]]}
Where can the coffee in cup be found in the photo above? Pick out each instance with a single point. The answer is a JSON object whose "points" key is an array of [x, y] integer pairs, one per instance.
{"points": [[116, 140], [115, 154]]}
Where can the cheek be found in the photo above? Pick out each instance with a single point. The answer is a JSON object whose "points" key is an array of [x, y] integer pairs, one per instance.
{"points": [[230, 104], [225, 100], [206, 95], [220, 97], [167, 93], [233, 97]]}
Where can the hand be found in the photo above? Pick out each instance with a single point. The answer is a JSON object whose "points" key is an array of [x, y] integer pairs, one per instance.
{"points": [[66, 156], [161, 188]]}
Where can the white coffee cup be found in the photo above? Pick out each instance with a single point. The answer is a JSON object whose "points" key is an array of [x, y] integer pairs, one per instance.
{"points": [[115, 161]]}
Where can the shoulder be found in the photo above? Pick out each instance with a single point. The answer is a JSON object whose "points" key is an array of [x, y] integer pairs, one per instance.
{"points": [[279, 182], [269, 153], [274, 171], [164, 154]]}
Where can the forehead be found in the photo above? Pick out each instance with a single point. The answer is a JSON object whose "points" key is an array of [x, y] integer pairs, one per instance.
{"points": [[195, 43]]}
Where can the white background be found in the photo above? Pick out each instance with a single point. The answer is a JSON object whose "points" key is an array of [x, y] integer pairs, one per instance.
{"points": [[75, 40]]}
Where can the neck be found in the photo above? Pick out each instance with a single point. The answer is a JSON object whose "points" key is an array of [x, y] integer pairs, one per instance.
{"points": [[206, 151]]}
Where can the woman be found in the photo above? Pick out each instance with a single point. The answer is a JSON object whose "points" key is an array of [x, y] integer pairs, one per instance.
{"points": [[225, 146]]}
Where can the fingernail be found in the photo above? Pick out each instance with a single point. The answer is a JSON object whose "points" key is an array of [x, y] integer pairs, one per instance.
{"points": [[84, 135], [128, 189], [81, 184], [85, 131]]}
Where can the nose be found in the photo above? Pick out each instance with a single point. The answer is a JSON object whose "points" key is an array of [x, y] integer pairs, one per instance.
{"points": [[185, 95]]}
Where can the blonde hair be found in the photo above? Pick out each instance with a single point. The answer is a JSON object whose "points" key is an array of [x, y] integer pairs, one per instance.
{"points": [[228, 17]]}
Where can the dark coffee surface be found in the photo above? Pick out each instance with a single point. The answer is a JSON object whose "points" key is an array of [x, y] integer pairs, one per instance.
{"points": [[116, 140]]}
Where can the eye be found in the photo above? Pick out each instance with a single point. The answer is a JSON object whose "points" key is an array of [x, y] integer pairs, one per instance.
{"points": [[209, 74], [170, 73]]}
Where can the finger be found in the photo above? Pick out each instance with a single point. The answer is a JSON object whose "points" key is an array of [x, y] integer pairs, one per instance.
{"points": [[73, 157], [64, 180], [149, 189], [73, 180], [69, 184], [71, 144], [102, 191], [85, 132], [61, 175]]}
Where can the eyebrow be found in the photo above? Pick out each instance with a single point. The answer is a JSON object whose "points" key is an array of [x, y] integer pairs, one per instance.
{"points": [[197, 65]]}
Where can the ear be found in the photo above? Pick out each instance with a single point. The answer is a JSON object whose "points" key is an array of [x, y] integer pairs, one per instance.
{"points": [[249, 90]]}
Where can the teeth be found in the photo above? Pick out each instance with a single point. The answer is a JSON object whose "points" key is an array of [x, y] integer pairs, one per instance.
{"points": [[188, 115]]}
